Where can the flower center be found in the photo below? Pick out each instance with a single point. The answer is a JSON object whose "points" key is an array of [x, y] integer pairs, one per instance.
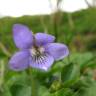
{"points": [[37, 51]]}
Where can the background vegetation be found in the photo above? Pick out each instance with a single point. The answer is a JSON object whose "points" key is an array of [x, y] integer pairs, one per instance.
{"points": [[73, 76]]}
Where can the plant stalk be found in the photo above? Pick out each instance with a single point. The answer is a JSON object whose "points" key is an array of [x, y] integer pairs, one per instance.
{"points": [[34, 88]]}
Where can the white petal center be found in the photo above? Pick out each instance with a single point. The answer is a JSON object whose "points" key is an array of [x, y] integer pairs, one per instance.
{"points": [[35, 51]]}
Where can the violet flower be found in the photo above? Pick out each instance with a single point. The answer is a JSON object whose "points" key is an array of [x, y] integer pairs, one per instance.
{"points": [[37, 51]]}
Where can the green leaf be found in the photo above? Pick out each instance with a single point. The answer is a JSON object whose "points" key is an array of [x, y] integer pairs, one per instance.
{"points": [[43, 91], [91, 91], [63, 92], [6, 92], [18, 90], [20, 79], [70, 74]]}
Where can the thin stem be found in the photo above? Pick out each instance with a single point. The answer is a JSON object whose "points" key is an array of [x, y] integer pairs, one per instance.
{"points": [[43, 24], [2, 69], [33, 82], [56, 27], [4, 49], [55, 17], [89, 5]]}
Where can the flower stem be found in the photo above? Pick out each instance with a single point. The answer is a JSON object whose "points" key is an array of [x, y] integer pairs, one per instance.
{"points": [[56, 26], [4, 50], [34, 88], [2, 69]]}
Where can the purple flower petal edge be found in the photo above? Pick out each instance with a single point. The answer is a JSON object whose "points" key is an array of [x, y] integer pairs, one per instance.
{"points": [[19, 61], [57, 50], [22, 36], [43, 38]]}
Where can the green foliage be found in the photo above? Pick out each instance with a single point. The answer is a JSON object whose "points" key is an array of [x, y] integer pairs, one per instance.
{"points": [[73, 76], [63, 92], [91, 91], [18, 90], [70, 74]]}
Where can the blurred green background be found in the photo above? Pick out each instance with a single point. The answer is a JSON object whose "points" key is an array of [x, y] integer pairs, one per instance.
{"points": [[79, 26], [78, 31]]}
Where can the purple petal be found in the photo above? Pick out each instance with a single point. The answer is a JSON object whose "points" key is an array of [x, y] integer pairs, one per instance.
{"points": [[22, 36], [43, 62], [57, 50], [19, 61], [43, 38]]}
